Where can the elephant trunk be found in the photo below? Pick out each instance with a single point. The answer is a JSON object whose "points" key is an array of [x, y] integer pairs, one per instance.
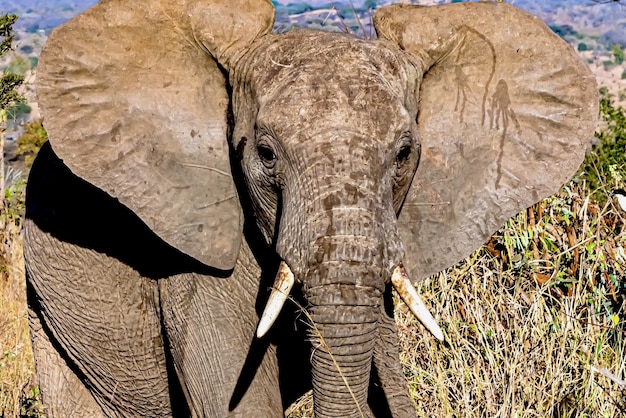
{"points": [[345, 317], [344, 284]]}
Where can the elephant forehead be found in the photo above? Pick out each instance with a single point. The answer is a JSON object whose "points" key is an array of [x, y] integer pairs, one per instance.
{"points": [[327, 54], [363, 111], [314, 80]]}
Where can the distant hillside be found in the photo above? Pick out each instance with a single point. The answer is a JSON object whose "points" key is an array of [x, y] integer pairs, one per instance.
{"points": [[43, 15], [605, 19], [584, 16]]}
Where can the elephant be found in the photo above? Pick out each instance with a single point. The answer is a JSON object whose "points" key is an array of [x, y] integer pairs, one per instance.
{"points": [[222, 213]]}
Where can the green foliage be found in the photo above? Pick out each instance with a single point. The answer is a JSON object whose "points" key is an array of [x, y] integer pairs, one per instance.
{"points": [[18, 65], [606, 163], [618, 54], [8, 85], [30, 142], [18, 109], [583, 47], [563, 30], [11, 182], [6, 31], [14, 197], [31, 407], [8, 97], [9, 82]]}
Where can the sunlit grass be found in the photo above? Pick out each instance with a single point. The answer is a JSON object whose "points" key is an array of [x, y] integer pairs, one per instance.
{"points": [[17, 392]]}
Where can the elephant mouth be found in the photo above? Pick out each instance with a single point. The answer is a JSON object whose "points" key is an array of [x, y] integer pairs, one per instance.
{"points": [[400, 280]]}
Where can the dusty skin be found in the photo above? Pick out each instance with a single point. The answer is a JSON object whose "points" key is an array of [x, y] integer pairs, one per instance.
{"points": [[192, 152]]}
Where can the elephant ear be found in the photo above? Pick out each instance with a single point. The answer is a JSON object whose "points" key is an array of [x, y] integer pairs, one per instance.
{"points": [[136, 103], [506, 112]]}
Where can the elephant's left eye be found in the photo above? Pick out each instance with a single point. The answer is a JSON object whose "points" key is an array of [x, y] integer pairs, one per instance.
{"points": [[267, 155], [403, 156]]}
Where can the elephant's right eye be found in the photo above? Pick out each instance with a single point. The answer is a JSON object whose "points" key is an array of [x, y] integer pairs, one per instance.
{"points": [[267, 155]]}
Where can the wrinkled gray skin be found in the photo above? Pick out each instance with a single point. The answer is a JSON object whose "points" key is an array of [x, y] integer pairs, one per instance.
{"points": [[145, 289]]}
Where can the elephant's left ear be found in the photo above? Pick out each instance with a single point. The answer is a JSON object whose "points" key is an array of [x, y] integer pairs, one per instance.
{"points": [[506, 112], [135, 100]]}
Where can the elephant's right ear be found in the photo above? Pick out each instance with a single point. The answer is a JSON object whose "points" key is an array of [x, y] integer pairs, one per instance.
{"points": [[135, 103], [506, 112]]}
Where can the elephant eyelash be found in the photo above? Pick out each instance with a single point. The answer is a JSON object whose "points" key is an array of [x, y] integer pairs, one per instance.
{"points": [[262, 130]]}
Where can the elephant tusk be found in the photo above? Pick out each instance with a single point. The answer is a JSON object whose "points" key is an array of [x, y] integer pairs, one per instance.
{"points": [[402, 283], [280, 291]]}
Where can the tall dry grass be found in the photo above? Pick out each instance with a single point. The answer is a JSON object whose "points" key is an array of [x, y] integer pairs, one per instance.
{"points": [[17, 392], [527, 336]]}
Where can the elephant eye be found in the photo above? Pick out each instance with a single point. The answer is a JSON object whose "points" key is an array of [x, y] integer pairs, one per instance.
{"points": [[403, 156], [267, 155]]}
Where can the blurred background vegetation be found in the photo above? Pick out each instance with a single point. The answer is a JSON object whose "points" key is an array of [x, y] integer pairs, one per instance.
{"points": [[535, 320]]}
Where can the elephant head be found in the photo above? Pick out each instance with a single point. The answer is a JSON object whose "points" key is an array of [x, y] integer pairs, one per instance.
{"points": [[164, 104]]}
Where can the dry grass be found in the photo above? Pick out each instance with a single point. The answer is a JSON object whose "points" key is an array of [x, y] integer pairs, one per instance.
{"points": [[515, 347], [17, 393]]}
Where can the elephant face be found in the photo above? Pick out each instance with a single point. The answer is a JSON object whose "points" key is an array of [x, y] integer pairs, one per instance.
{"points": [[327, 131]]}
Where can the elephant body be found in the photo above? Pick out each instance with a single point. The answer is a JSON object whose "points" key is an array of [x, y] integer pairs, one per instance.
{"points": [[203, 171], [100, 352]]}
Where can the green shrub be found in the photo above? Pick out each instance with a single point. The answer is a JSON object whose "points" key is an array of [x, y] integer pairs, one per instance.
{"points": [[18, 65], [30, 142], [606, 163], [27, 49], [618, 54], [18, 109]]}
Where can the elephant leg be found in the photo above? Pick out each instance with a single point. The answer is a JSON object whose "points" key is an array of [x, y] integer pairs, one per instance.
{"points": [[102, 318], [69, 396], [210, 324]]}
